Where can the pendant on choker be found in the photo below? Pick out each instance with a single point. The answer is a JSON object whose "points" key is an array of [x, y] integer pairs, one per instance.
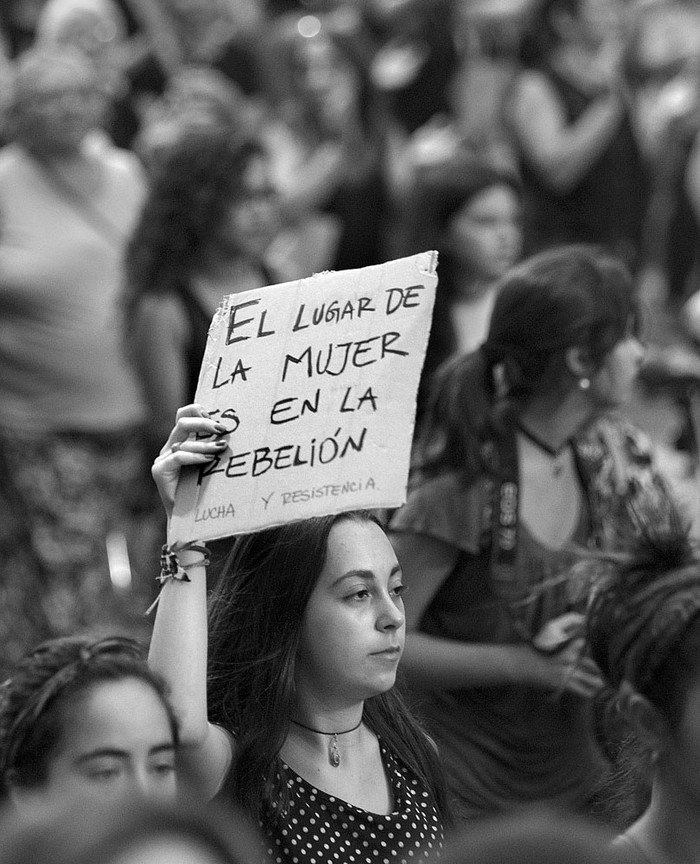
{"points": [[556, 454], [333, 751]]}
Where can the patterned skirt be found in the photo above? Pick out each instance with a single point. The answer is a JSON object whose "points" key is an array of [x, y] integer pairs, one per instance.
{"points": [[68, 500]]}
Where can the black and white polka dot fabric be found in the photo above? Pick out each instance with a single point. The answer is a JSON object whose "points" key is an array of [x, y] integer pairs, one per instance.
{"points": [[320, 829]]}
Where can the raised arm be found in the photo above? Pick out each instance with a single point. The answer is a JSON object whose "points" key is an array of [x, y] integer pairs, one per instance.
{"points": [[178, 649], [441, 663], [561, 153]]}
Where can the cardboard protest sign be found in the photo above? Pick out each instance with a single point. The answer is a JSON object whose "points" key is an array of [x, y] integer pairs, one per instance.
{"points": [[317, 381]]}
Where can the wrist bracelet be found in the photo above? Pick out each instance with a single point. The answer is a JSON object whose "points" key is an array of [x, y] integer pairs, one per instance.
{"points": [[171, 568]]}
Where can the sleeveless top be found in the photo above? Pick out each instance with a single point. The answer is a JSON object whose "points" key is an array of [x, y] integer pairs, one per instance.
{"points": [[317, 827], [606, 206]]}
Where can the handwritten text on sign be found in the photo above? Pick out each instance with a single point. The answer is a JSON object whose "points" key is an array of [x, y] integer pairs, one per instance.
{"points": [[317, 382]]}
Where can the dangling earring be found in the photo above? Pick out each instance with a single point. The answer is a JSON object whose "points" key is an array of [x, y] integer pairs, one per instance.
{"points": [[584, 383]]}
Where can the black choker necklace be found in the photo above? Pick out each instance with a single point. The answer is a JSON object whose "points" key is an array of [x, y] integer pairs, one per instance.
{"points": [[333, 752], [554, 453]]}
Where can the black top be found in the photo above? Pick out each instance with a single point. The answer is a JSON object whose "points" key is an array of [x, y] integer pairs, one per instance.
{"points": [[608, 204]]}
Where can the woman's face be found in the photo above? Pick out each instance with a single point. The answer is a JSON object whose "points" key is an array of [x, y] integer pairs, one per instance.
{"points": [[613, 383], [59, 109], [116, 744], [486, 234], [255, 218], [353, 629]]}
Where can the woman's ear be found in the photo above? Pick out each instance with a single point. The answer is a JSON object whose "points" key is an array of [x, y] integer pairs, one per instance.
{"points": [[578, 362], [649, 723]]}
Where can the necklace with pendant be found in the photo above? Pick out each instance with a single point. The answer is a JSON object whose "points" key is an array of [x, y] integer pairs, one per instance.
{"points": [[554, 453], [333, 752]]}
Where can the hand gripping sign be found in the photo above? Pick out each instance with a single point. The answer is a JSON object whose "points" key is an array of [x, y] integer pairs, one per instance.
{"points": [[316, 381]]}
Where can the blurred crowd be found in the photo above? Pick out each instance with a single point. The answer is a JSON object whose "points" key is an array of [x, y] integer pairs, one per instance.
{"points": [[156, 155]]}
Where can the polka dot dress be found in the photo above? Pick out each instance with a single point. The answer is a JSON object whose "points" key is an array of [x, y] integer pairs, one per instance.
{"points": [[320, 829]]}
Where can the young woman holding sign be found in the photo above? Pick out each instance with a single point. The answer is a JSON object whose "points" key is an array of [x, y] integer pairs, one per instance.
{"points": [[519, 463], [298, 722]]}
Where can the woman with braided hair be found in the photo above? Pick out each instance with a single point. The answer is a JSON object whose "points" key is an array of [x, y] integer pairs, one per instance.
{"points": [[520, 463], [644, 633], [85, 722]]}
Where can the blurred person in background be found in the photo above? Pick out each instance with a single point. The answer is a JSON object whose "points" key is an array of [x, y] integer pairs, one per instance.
{"points": [[415, 58], [194, 97], [413, 61], [329, 151], [488, 39], [99, 29], [522, 461], [209, 217], [469, 211], [685, 291], [85, 723], [202, 98], [663, 70], [582, 170], [71, 413], [220, 34]]}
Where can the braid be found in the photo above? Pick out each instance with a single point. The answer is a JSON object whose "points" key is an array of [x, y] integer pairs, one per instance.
{"points": [[642, 609]]}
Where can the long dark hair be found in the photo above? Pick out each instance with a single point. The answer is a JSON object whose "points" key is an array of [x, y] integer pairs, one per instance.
{"points": [[572, 295], [194, 185], [47, 679], [255, 619]]}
